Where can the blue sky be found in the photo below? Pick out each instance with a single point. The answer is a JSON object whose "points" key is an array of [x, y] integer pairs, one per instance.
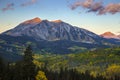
{"points": [[13, 12]]}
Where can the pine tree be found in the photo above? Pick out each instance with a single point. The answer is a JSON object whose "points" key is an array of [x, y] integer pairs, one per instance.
{"points": [[28, 65], [1, 68]]}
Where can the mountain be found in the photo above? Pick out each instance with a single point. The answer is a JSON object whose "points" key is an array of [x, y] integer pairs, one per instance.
{"points": [[52, 31], [50, 37], [110, 35]]}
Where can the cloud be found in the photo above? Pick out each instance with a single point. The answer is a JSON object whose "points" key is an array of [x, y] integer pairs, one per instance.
{"points": [[85, 4], [111, 8], [9, 6], [75, 5], [28, 3], [98, 7]]}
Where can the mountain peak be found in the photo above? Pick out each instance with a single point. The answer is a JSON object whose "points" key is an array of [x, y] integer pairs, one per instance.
{"points": [[57, 21], [109, 35], [34, 20], [37, 19]]}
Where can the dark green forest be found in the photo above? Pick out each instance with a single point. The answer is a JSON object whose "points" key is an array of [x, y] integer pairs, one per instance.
{"points": [[102, 64]]}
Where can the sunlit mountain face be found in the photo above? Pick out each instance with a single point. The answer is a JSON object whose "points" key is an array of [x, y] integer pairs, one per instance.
{"points": [[110, 35], [33, 21]]}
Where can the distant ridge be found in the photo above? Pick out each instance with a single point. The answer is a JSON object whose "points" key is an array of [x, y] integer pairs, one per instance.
{"points": [[110, 35]]}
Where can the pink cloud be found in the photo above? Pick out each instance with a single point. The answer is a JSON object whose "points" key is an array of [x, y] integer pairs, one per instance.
{"points": [[75, 5], [98, 7], [8, 7], [111, 8], [85, 4]]}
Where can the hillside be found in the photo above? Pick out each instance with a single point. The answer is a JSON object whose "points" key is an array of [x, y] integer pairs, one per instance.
{"points": [[102, 64], [96, 61]]}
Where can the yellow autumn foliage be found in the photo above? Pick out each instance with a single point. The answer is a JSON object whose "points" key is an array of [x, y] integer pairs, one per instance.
{"points": [[113, 70], [41, 76]]}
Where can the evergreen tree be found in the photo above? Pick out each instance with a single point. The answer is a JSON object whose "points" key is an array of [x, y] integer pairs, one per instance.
{"points": [[28, 65], [1, 69]]}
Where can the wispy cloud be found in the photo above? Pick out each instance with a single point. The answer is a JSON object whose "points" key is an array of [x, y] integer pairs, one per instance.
{"points": [[98, 7], [28, 3], [84, 4], [111, 8], [9, 6]]}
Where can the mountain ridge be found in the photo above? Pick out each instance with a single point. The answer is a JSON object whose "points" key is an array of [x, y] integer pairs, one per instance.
{"points": [[52, 30]]}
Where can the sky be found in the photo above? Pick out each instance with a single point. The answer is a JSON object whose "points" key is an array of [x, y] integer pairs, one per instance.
{"points": [[98, 16]]}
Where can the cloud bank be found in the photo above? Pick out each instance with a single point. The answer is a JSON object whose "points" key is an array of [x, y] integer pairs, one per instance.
{"points": [[98, 7]]}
